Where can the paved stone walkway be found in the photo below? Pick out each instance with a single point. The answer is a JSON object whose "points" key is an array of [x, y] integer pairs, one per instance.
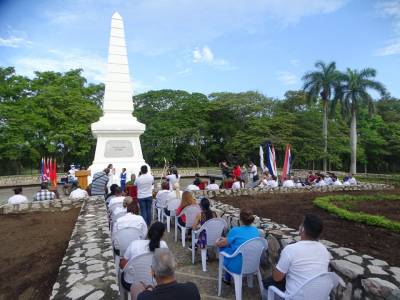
{"points": [[87, 270], [205, 281]]}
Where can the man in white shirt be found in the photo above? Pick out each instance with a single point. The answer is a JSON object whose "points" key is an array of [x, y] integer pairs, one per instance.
{"points": [[236, 184], [144, 185], [288, 182], [78, 193], [301, 261], [162, 195], [272, 182], [212, 186], [352, 180], [131, 219], [18, 198], [253, 172], [172, 178]]}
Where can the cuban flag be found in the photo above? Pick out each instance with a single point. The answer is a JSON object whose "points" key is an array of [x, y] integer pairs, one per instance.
{"points": [[286, 163], [271, 160]]}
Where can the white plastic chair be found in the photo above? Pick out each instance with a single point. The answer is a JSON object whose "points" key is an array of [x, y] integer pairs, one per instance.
{"points": [[190, 212], [168, 219], [122, 238], [138, 269], [213, 228], [316, 288], [251, 252]]}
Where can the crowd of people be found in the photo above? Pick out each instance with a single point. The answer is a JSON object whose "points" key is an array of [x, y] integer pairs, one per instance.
{"points": [[126, 209]]}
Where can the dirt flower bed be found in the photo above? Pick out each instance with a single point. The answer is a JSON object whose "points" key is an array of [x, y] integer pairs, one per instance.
{"points": [[32, 246], [290, 209]]}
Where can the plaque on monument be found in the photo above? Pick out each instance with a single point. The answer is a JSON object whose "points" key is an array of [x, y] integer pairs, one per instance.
{"points": [[118, 148]]}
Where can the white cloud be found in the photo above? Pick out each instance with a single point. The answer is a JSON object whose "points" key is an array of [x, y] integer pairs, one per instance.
{"points": [[184, 72], [14, 42], [139, 86], [205, 56], [390, 9], [286, 78], [62, 18]]}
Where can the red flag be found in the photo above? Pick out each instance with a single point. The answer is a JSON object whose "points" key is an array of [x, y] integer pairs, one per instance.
{"points": [[54, 181]]}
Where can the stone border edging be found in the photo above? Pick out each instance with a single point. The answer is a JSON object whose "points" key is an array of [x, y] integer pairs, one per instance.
{"points": [[88, 270], [365, 277], [33, 206]]}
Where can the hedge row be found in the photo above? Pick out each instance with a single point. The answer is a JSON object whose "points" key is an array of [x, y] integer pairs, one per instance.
{"points": [[380, 221]]}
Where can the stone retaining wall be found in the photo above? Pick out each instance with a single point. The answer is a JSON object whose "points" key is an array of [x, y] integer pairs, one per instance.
{"points": [[64, 204], [88, 270], [306, 189], [365, 277]]}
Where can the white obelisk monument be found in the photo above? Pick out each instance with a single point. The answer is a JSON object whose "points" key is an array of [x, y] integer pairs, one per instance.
{"points": [[117, 131]]}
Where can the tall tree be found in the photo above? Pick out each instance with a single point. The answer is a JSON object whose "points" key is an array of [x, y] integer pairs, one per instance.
{"points": [[322, 83], [354, 93]]}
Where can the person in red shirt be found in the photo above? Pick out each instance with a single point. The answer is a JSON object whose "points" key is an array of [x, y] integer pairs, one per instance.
{"points": [[236, 172]]}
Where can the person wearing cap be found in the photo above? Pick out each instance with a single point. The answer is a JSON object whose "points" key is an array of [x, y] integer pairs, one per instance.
{"points": [[132, 218], [18, 198]]}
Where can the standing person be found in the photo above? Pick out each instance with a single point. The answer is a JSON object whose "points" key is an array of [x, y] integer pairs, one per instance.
{"points": [[225, 169], [99, 183], [236, 171], [144, 185], [172, 178], [44, 194], [243, 174], [253, 172], [18, 198], [123, 179]]}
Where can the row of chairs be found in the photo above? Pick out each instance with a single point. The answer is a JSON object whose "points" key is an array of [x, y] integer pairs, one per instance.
{"points": [[138, 268]]}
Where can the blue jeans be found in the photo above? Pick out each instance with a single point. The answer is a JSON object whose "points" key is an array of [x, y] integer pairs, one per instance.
{"points": [[145, 209]]}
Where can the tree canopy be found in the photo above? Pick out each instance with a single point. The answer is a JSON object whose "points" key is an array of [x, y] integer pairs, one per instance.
{"points": [[50, 115]]}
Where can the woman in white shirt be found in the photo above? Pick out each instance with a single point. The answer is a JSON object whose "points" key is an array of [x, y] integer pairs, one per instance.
{"points": [[18, 198], [174, 199], [162, 195], [237, 184], [138, 247], [172, 178], [130, 219]]}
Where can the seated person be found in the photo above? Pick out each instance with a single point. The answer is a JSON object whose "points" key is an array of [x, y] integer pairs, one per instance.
{"points": [[272, 182], [298, 183], [77, 192], [118, 198], [174, 199], [320, 181], [132, 217], [18, 198], [194, 186], [111, 194], [163, 270], [351, 180], [205, 215], [311, 178], [302, 260], [237, 184], [264, 181], [328, 179], [288, 182], [236, 237], [44, 194], [137, 247], [336, 181], [212, 186], [187, 199], [162, 195]]}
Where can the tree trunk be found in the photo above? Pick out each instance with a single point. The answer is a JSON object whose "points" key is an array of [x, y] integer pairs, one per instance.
{"points": [[325, 134], [353, 142]]}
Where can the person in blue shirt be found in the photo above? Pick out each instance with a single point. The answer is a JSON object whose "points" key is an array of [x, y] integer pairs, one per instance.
{"points": [[123, 179], [236, 237]]}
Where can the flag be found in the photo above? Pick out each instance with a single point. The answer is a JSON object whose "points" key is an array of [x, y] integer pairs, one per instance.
{"points": [[271, 160], [262, 159], [286, 163], [45, 177], [47, 168], [54, 179]]}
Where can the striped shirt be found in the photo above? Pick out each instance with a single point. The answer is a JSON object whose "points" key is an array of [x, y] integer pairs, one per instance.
{"points": [[99, 183]]}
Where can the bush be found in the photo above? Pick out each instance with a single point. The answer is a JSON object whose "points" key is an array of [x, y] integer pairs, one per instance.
{"points": [[327, 204]]}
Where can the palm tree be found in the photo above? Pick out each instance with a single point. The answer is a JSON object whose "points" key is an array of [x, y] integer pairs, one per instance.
{"points": [[353, 94], [322, 83]]}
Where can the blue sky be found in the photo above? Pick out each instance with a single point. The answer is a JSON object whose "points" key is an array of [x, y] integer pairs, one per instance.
{"points": [[205, 46]]}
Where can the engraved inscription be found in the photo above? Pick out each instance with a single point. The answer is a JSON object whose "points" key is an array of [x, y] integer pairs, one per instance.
{"points": [[118, 148]]}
